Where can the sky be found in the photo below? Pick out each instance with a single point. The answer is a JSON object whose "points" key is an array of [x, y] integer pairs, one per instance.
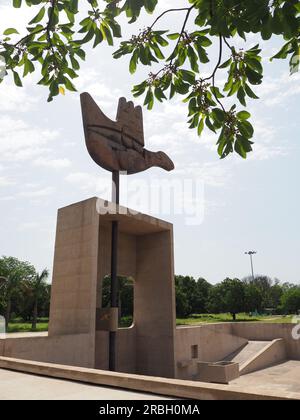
{"points": [[219, 208]]}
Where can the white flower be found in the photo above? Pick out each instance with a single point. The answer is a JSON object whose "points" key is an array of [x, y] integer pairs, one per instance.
{"points": [[2, 67]]}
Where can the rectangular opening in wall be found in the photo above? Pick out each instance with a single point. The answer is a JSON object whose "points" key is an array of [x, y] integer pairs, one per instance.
{"points": [[125, 295], [194, 351]]}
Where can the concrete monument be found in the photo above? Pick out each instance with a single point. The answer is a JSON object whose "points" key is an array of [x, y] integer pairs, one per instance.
{"points": [[93, 240], [117, 146]]}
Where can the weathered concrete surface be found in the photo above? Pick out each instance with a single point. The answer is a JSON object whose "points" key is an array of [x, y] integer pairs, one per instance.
{"points": [[64, 349], [157, 385], [214, 342], [260, 331], [283, 379], [245, 354], [153, 345], [82, 259], [271, 354], [22, 386], [218, 372]]}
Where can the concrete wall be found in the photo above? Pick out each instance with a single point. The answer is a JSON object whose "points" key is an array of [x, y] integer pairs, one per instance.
{"points": [[268, 331], [73, 295], [171, 387], [153, 346], [154, 305], [126, 350], [68, 349], [82, 259], [214, 342], [271, 354]]}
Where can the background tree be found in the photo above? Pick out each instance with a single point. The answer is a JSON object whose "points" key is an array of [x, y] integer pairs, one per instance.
{"points": [[60, 30], [37, 285], [290, 300], [253, 298], [228, 296], [264, 285], [14, 271], [202, 293], [125, 295], [275, 295], [186, 288], [183, 308]]}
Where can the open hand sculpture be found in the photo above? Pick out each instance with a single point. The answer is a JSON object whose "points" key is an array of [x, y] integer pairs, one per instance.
{"points": [[119, 145]]}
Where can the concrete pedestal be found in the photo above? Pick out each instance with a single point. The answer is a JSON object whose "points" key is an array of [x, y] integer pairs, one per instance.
{"points": [[82, 259]]}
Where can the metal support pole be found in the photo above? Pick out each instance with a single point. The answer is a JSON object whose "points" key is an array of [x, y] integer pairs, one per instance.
{"points": [[252, 266], [251, 253], [114, 301]]}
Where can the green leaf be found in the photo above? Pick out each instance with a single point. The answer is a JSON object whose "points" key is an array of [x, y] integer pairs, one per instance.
{"points": [[193, 59], [243, 115], [150, 5], [202, 54], [159, 94], [238, 147], [225, 64], [38, 17], [133, 62], [253, 77], [241, 96], [250, 92], [69, 85], [188, 76], [17, 3], [209, 124], [17, 79], [200, 127], [246, 129], [10, 31], [149, 100], [173, 36], [254, 64], [216, 92], [218, 115]]}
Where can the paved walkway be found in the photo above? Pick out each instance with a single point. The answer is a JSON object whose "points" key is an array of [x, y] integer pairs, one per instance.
{"points": [[23, 386], [283, 379]]}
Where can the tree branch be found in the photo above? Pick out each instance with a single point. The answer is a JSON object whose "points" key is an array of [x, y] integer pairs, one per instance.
{"points": [[212, 76], [184, 26], [48, 29], [227, 43], [168, 11]]}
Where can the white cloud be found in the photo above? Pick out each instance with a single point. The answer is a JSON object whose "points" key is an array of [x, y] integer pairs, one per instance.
{"points": [[279, 90], [267, 144], [19, 141], [8, 198], [4, 181], [13, 98], [213, 174], [52, 163], [28, 226], [38, 193], [98, 185]]}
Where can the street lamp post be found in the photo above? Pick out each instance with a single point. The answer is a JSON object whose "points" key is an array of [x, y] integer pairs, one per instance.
{"points": [[251, 253]]}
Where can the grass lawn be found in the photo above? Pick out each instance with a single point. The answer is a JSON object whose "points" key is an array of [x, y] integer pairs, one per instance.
{"points": [[18, 326], [243, 317], [42, 325]]}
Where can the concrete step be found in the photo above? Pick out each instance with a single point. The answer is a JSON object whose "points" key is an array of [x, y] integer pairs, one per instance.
{"points": [[247, 352], [257, 355]]}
